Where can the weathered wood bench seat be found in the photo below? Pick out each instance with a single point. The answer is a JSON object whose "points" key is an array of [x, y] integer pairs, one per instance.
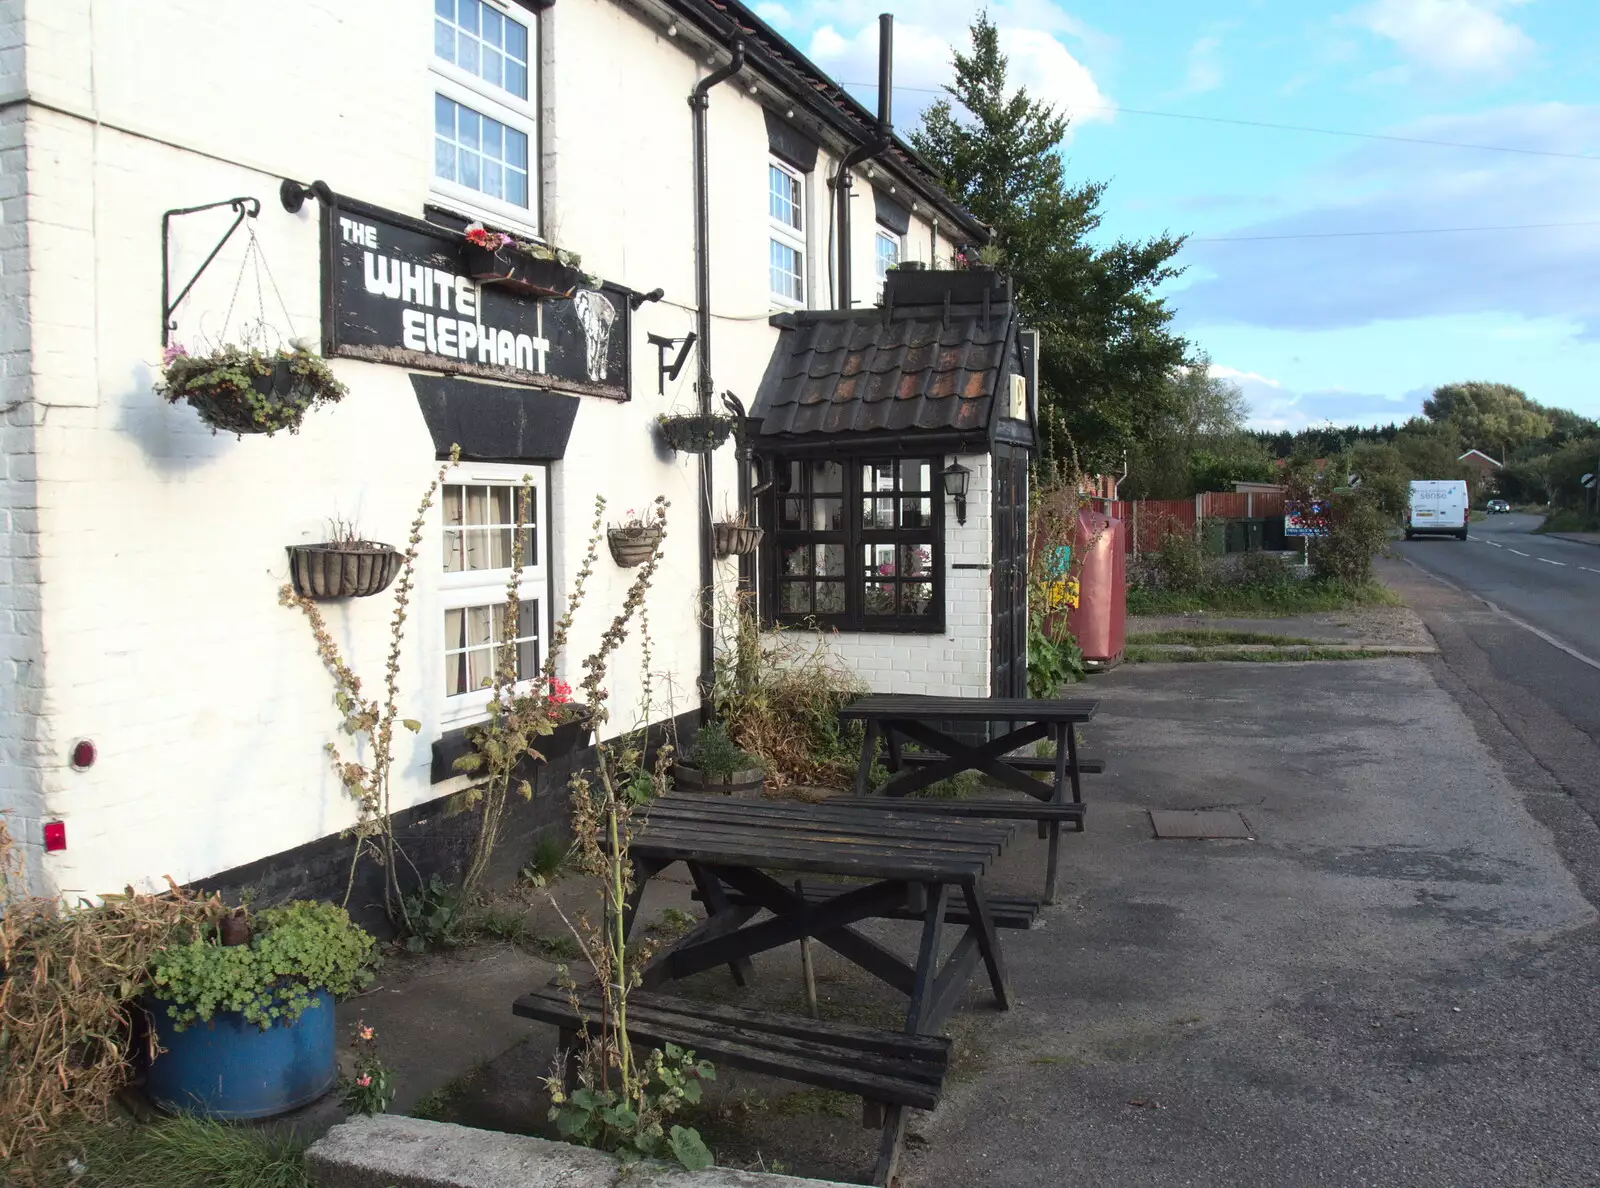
{"points": [[989, 810], [1007, 911], [1087, 764], [884, 1068]]}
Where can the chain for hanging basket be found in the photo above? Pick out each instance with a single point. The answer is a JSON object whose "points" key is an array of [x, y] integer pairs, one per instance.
{"points": [[696, 433]]}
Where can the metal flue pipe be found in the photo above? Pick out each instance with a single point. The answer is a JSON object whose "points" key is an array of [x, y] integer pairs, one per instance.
{"points": [[881, 143]]}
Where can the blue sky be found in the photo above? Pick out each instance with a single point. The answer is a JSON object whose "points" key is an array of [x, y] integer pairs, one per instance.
{"points": [[1314, 323]]}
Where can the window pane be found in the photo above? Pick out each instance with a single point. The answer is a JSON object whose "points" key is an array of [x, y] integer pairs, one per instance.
{"points": [[445, 8], [493, 28], [916, 513], [916, 560], [879, 599], [477, 505], [493, 180], [480, 668], [492, 68], [444, 117], [877, 476], [517, 187], [794, 598], [916, 598], [444, 40], [444, 160], [480, 625], [827, 476], [469, 169], [830, 560], [827, 515], [530, 547], [916, 476], [877, 513], [516, 41], [830, 598], [517, 79], [467, 53], [467, 128], [796, 561], [452, 552], [784, 271], [455, 628], [878, 560], [467, 15], [791, 513]]}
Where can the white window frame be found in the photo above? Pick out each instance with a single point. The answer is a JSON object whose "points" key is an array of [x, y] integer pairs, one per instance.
{"points": [[892, 236], [796, 238], [497, 103], [487, 587]]}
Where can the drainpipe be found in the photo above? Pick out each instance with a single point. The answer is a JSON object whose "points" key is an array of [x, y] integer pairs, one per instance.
{"points": [[879, 145], [699, 103]]}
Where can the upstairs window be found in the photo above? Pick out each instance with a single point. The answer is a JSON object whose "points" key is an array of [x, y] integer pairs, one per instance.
{"points": [[887, 248], [485, 110], [786, 245], [858, 545]]}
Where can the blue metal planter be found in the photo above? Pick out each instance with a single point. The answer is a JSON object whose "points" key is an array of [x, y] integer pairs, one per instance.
{"points": [[229, 1068]]}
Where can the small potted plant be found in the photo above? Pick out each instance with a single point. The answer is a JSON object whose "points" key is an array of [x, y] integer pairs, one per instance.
{"points": [[244, 1012], [696, 433], [495, 258], [238, 389], [633, 541], [735, 536], [715, 764], [345, 566]]}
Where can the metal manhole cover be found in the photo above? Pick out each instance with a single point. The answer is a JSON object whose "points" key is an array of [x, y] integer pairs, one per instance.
{"points": [[1200, 824]]}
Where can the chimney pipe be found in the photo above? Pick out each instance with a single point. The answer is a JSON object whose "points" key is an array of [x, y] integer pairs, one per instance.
{"points": [[880, 144]]}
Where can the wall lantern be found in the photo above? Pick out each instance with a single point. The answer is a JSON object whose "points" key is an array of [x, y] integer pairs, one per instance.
{"points": [[955, 478]]}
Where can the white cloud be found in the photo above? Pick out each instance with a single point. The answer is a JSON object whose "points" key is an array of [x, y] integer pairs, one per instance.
{"points": [[1205, 71], [923, 56], [1450, 36], [1274, 407], [1234, 375], [776, 15]]}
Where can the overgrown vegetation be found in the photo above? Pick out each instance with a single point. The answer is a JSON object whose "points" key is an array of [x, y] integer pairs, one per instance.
{"points": [[67, 1000], [1149, 655], [715, 754], [1054, 657], [779, 694], [1570, 520], [1212, 636]]}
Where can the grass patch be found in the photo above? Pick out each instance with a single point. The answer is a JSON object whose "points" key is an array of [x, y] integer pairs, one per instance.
{"points": [[180, 1152], [549, 855], [1264, 601], [501, 923], [673, 923], [439, 1105], [558, 946], [1570, 520], [956, 787], [816, 1101], [1137, 655], [1202, 636]]}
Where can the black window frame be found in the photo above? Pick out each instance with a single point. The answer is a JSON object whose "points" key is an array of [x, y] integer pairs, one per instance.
{"points": [[855, 537]]}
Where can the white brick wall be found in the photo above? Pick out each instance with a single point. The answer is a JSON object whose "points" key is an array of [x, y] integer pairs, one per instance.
{"points": [[954, 663], [140, 555]]}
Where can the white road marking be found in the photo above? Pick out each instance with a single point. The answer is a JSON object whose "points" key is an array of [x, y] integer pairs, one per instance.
{"points": [[1586, 569], [1498, 546], [1547, 561], [1519, 552], [1544, 635]]}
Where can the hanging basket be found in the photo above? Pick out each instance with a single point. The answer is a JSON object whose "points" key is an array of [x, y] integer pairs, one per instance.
{"points": [[696, 433], [342, 570], [241, 391], [735, 539], [633, 546], [514, 269]]}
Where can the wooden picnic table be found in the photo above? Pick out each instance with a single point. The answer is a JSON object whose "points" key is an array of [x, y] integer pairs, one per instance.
{"points": [[903, 717], [895, 862]]}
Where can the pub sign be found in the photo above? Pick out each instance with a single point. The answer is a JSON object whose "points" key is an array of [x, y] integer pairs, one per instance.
{"points": [[396, 290]]}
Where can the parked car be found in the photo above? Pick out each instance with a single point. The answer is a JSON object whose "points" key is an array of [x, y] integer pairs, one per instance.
{"points": [[1497, 505]]}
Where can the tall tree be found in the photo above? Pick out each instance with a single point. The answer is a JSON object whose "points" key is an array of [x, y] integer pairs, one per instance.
{"points": [[1108, 349], [1494, 418]]}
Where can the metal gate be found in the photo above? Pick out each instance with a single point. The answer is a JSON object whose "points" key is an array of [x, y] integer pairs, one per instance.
{"points": [[1008, 649]]}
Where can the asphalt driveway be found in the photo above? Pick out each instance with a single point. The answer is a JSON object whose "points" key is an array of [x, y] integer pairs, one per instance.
{"points": [[1391, 985]]}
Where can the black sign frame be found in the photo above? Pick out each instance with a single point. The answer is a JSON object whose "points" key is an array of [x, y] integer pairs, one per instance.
{"points": [[549, 335]]}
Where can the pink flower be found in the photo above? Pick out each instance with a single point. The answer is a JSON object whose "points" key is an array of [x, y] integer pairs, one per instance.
{"points": [[886, 569], [174, 351], [365, 1033], [363, 1080]]}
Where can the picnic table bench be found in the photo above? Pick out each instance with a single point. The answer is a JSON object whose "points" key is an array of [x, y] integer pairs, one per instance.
{"points": [[908, 866], [897, 718]]}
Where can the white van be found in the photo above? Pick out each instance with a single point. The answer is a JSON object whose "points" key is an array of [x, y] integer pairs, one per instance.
{"points": [[1437, 507]]}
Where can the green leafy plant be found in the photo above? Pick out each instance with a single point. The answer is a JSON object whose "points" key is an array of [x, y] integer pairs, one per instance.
{"points": [[180, 1152], [696, 433], [715, 753], [369, 1086], [293, 952], [436, 916], [242, 390], [1051, 662], [549, 855], [636, 1126]]}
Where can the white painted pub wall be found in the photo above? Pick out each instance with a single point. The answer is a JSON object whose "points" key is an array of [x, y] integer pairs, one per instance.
{"points": [[141, 555]]}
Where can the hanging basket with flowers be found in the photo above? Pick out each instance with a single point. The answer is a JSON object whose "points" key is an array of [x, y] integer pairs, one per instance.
{"points": [[240, 390], [696, 433], [495, 258]]}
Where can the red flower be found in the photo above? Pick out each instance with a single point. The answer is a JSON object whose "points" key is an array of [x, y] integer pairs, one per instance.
{"points": [[560, 692]]}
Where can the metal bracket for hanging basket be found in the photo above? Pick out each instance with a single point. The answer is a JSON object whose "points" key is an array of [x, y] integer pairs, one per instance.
{"points": [[245, 207]]}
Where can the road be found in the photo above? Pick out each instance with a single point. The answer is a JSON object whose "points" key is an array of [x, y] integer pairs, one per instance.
{"points": [[1517, 619]]}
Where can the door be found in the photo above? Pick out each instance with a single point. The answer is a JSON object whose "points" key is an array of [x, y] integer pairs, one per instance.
{"points": [[1008, 651]]}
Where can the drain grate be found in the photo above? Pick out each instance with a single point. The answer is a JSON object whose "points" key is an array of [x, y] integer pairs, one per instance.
{"points": [[1199, 824]]}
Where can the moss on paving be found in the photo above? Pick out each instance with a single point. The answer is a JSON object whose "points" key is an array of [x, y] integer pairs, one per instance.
{"points": [[1268, 602], [1200, 636], [1148, 655]]}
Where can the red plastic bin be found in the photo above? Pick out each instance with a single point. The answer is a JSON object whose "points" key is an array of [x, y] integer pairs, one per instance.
{"points": [[1100, 620]]}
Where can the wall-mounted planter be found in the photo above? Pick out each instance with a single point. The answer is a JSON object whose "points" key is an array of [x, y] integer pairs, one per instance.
{"points": [[696, 433], [735, 539], [521, 273], [744, 784], [236, 390], [633, 546], [342, 570]]}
